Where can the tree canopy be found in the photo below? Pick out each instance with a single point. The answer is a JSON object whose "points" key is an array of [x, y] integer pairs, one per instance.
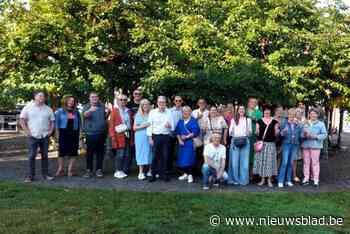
{"points": [[281, 51]]}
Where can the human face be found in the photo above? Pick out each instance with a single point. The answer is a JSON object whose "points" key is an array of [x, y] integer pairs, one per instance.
{"points": [[70, 102], [137, 95], [122, 101], [278, 112], [39, 98], [252, 103], [93, 99], [178, 101], [267, 113], [161, 104], [202, 104], [313, 116], [146, 107], [216, 139], [186, 113], [241, 111], [213, 112], [291, 116]]}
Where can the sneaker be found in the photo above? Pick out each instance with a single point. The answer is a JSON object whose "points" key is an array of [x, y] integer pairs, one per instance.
{"points": [[190, 179], [280, 185], [157, 176], [305, 182], [87, 174], [183, 177], [120, 175], [205, 187], [48, 177], [29, 179], [290, 184], [316, 184], [141, 176], [149, 174], [99, 173]]}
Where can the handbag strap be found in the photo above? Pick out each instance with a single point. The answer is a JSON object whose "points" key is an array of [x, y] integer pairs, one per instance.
{"points": [[267, 126]]}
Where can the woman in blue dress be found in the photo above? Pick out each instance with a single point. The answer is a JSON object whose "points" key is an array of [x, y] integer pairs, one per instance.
{"points": [[143, 149], [186, 129]]}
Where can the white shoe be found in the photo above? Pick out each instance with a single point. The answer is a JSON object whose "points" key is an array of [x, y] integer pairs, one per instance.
{"points": [[205, 188], [190, 179], [157, 176], [120, 175], [183, 177], [141, 176], [280, 185], [149, 174], [290, 184]]}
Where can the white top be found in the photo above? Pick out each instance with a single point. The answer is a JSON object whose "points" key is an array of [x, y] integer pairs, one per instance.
{"points": [[196, 113], [215, 125], [244, 127], [215, 154], [38, 119], [158, 120]]}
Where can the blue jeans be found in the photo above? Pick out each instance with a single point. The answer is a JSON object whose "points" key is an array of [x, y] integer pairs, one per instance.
{"points": [[289, 152], [238, 170], [122, 158], [34, 144], [207, 171]]}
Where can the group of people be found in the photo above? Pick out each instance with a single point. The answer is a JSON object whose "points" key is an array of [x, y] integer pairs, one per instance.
{"points": [[222, 144]]}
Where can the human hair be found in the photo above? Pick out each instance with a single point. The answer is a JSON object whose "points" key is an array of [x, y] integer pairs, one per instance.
{"points": [[37, 92], [314, 110], [236, 115], [186, 108], [142, 103], [65, 102]]}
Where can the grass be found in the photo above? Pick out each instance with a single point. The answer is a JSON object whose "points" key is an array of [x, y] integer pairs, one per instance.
{"points": [[39, 209]]}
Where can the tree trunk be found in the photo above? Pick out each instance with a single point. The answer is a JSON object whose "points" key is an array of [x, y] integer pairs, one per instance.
{"points": [[341, 126]]}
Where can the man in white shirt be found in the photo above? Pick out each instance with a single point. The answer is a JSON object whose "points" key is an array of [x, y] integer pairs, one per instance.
{"points": [[161, 126], [214, 161], [37, 121]]}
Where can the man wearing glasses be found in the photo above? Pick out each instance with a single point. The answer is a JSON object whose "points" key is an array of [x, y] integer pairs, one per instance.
{"points": [[176, 113], [135, 103], [161, 125]]}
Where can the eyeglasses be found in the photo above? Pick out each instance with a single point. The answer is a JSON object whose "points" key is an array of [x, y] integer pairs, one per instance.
{"points": [[178, 100], [123, 100], [137, 94]]}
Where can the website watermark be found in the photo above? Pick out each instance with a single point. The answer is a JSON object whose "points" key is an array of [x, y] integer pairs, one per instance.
{"points": [[216, 220]]}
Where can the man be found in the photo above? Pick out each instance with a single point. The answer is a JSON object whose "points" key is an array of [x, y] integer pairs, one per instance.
{"points": [[94, 126], [214, 162], [135, 103], [37, 121], [161, 126], [176, 113]]}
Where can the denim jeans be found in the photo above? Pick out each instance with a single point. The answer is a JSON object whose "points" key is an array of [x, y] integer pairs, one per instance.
{"points": [[207, 171], [122, 158], [34, 144], [238, 171], [289, 152]]}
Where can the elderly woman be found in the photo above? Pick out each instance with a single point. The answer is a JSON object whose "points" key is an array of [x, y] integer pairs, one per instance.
{"points": [[187, 128], [215, 123], [290, 136], [119, 131], [314, 133], [143, 149], [265, 164]]}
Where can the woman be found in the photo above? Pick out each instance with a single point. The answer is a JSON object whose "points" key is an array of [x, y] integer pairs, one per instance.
{"points": [[187, 128], [265, 164], [68, 123], [290, 136], [215, 123], [314, 133], [119, 131], [240, 130], [142, 146], [300, 120]]}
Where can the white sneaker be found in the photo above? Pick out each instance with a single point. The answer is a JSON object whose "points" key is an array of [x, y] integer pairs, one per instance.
{"points": [[120, 175], [190, 179], [290, 184], [141, 176], [205, 188], [183, 177], [280, 185], [157, 176], [149, 173]]}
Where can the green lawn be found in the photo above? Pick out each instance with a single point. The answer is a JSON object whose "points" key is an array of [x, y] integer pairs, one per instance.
{"points": [[34, 209]]}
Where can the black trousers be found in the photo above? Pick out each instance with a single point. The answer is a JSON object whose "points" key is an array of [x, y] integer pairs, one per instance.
{"points": [[161, 155], [95, 144], [172, 153]]}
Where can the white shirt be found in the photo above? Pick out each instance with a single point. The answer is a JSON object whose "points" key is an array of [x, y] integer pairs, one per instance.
{"points": [[215, 154], [196, 113], [157, 121], [244, 127], [38, 119]]}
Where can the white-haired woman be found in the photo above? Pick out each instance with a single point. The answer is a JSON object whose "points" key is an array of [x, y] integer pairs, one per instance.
{"points": [[143, 149]]}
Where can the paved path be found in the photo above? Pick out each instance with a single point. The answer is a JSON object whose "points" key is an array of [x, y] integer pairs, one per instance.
{"points": [[335, 173]]}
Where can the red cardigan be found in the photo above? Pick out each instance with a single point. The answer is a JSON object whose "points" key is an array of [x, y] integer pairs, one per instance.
{"points": [[117, 139]]}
